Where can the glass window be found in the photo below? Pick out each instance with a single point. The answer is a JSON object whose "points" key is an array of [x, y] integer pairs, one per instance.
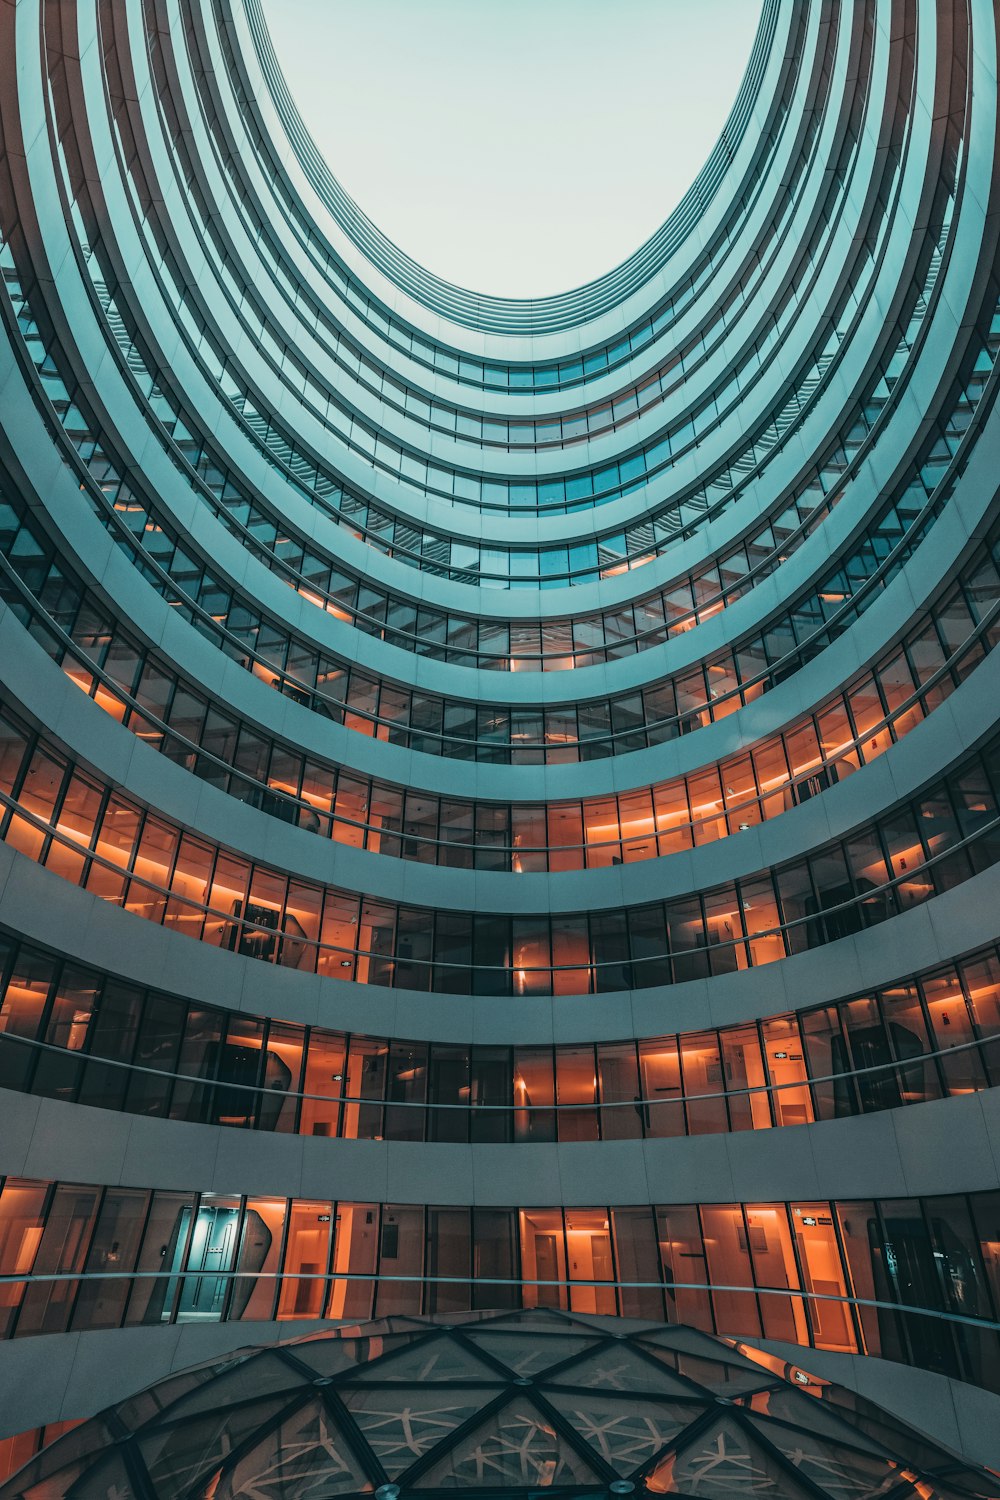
{"points": [[22, 1220], [576, 1092], [449, 1256], [495, 1258], [70, 1014], [728, 1258], [114, 1248], [618, 1081], [22, 1012], [543, 1258], [450, 1085], [685, 1272], [743, 1069], [406, 1089], [62, 1248], [324, 1077], [401, 1254], [701, 1067], [773, 1257], [355, 1254], [951, 1024], [908, 1037], [589, 1252], [662, 1098], [255, 1287], [113, 1032]]}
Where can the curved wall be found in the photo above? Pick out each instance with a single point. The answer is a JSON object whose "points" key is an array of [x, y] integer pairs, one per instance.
{"points": [[345, 936]]}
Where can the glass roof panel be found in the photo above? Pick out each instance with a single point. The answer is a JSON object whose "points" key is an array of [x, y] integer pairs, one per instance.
{"points": [[619, 1367], [177, 1457], [434, 1360], [527, 1356], [516, 1446], [305, 1458], [401, 1426], [724, 1462], [420, 1405], [837, 1469], [626, 1431]]}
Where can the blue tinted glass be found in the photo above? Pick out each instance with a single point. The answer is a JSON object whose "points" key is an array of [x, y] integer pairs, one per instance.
{"points": [[657, 454], [553, 561]]}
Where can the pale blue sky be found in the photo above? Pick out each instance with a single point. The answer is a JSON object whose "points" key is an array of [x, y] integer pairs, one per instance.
{"points": [[515, 146]]}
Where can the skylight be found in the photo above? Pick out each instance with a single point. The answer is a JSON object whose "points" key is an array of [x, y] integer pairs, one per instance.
{"points": [[519, 147]]}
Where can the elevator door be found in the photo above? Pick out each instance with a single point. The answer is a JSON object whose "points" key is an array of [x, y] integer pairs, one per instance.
{"points": [[212, 1253]]}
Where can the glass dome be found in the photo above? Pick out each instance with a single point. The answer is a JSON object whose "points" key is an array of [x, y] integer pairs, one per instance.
{"points": [[513, 1403]]}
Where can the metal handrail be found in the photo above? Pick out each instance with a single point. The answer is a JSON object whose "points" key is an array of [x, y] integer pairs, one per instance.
{"points": [[639, 1102], [729, 809], [279, 935], [612, 1284]]}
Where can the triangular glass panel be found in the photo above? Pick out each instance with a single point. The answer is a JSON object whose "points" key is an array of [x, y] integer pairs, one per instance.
{"points": [[837, 1469], [332, 1356], [516, 1447], [627, 1432], [107, 1477], [305, 1458], [402, 1425], [251, 1379], [605, 1323], [526, 1356], [143, 1406], [692, 1341], [711, 1374], [534, 1317], [723, 1462], [178, 1455], [438, 1359], [68, 1454], [810, 1415], [617, 1367]]}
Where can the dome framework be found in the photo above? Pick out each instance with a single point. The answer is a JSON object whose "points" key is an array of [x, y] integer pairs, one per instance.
{"points": [[509, 1403]]}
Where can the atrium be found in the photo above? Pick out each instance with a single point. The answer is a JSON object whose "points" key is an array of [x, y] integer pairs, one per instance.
{"points": [[498, 796]]}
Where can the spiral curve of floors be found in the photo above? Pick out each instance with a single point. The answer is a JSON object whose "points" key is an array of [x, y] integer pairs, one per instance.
{"points": [[498, 799]]}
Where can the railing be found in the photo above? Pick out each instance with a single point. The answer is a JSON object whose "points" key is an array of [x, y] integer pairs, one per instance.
{"points": [[567, 1285], [304, 811], [639, 1104], [280, 942], [959, 1359]]}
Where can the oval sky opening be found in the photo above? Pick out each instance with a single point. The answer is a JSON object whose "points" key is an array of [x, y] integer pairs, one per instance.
{"points": [[516, 147]]}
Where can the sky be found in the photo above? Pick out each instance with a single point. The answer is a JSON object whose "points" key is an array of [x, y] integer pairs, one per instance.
{"points": [[519, 147]]}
